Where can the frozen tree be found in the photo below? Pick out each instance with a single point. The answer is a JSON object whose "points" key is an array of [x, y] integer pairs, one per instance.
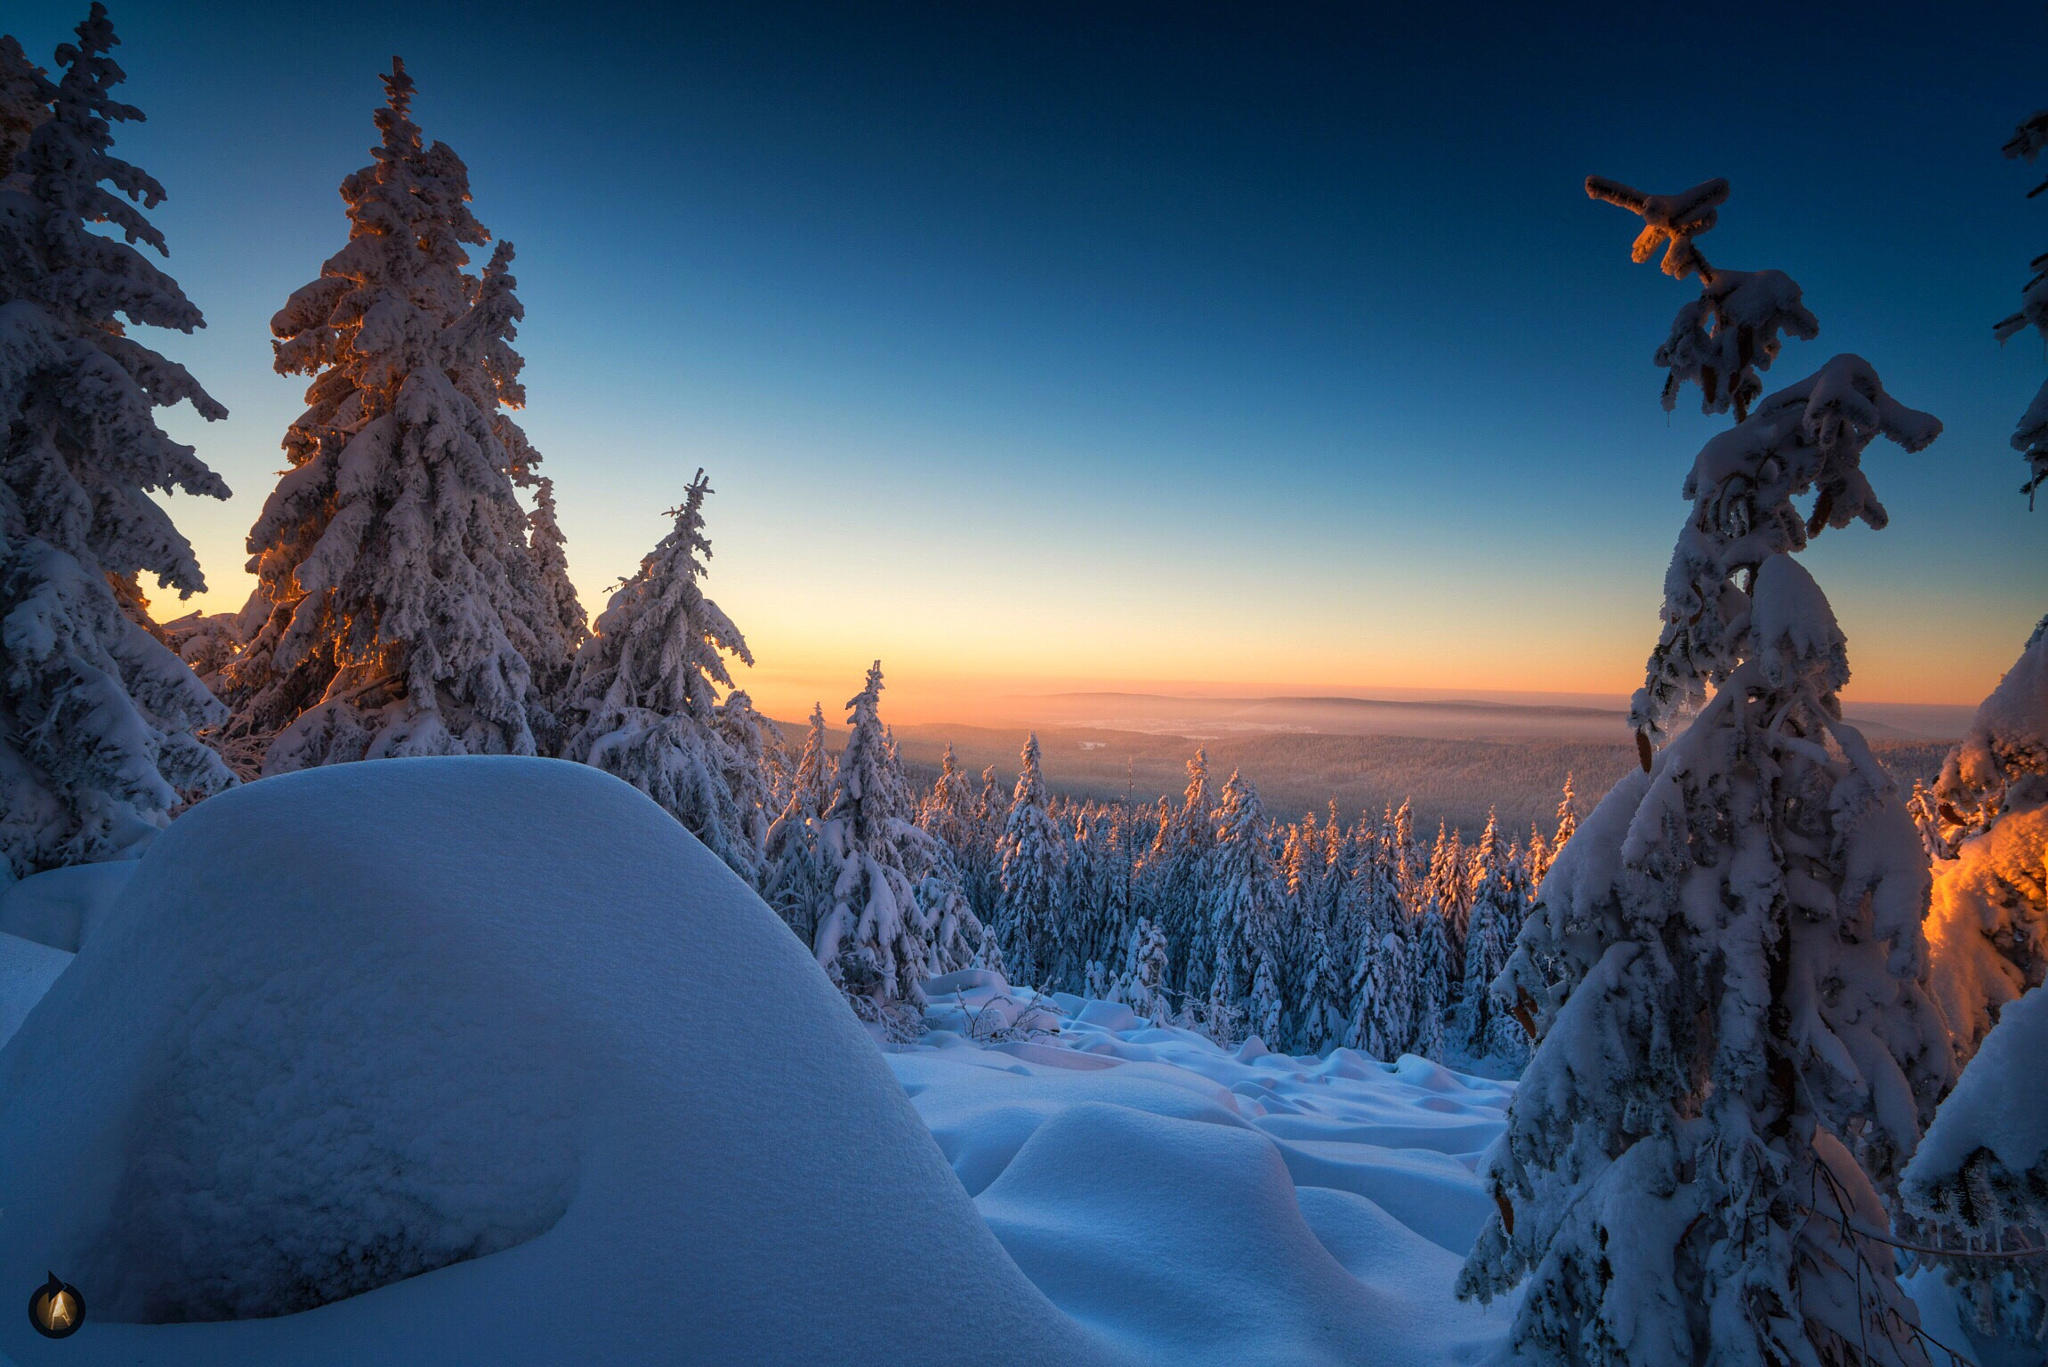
{"points": [[947, 812], [1485, 1029], [1567, 817], [96, 715], [25, 94], [1979, 1182], [1263, 1008], [1320, 995], [2030, 437], [1142, 985], [1988, 919], [1808, 437], [551, 561], [1241, 893], [875, 941], [644, 697], [1430, 982], [399, 607], [753, 754], [1722, 339], [487, 369], [1725, 967], [1033, 867], [1172, 881], [797, 882], [1382, 1000]]}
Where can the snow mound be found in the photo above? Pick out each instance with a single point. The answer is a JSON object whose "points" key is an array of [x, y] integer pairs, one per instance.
{"points": [[1191, 1204], [1984, 1160], [61, 907], [26, 971], [490, 1061]]}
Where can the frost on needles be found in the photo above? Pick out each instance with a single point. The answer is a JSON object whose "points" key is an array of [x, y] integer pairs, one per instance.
{"points": [[1725, 969], [96, 714]]}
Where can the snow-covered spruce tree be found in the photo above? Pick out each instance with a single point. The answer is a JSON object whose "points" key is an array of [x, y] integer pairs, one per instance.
{"points": [[96, 714], [1979, 1182], [874, 941], [488, 369], [2030, 437], [1142, 985], [397, 598], [1171, 886], [1725, 966], [643, 702], [1240, 901], [754, 756], [1429, 976], [1987, 921], [1567, 817], [1320, 996], [1382, 1000], [1033, 860], [947, 811], [25, 94], [1485, 1029], [797, 883]]}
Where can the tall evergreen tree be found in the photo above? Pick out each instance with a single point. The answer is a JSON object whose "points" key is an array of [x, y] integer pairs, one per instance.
{"points": [[1382, 1000], [96, 715], [1988, 917], [1032, 870], [797, 882], [644, 699], [1142, 986], [1430, 981], [397, 600], [1725, 968], [876, 942], [1485, 1029], [1241, 895]]}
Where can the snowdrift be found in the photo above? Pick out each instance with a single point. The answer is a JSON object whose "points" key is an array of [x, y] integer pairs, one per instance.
{"points": [[1195, 1205], [475, 1060]]}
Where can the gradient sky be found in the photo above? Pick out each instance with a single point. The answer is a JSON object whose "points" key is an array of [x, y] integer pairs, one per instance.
{"points": [[1236, 347]]}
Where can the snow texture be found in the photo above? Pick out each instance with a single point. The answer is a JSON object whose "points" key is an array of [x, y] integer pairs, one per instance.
{"points": [[1984, 1161], [500, 1023], [62, 908], [1192, 1204]]}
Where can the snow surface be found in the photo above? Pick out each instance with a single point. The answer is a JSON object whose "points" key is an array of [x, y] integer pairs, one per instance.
{"points": [[26, 971], [1999, 1105], [351, 1023], [1191, 1204], [60, 907], [372, 1018]]}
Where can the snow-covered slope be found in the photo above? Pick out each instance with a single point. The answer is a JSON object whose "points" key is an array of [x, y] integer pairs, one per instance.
{"points": [[1193, 1205], [503, 1023]]}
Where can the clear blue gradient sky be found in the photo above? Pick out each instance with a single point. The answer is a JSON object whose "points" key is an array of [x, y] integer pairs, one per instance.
{"points": [[1035, 347]]}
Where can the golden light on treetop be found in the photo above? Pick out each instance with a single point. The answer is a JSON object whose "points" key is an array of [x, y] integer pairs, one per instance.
{"points": [[1669, 221]]}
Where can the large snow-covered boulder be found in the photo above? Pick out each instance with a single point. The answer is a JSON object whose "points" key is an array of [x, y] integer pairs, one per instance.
{"points": [[475, 1060]]}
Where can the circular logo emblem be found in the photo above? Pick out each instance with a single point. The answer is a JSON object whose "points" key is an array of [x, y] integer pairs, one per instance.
{"points": [[56, 1309]]}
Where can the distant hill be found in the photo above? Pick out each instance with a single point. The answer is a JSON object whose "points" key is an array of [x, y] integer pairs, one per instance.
{"points": [[1449, 777]]}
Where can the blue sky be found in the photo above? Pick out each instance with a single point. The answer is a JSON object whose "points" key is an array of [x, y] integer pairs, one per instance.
{"points": [[1038, 346]]}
